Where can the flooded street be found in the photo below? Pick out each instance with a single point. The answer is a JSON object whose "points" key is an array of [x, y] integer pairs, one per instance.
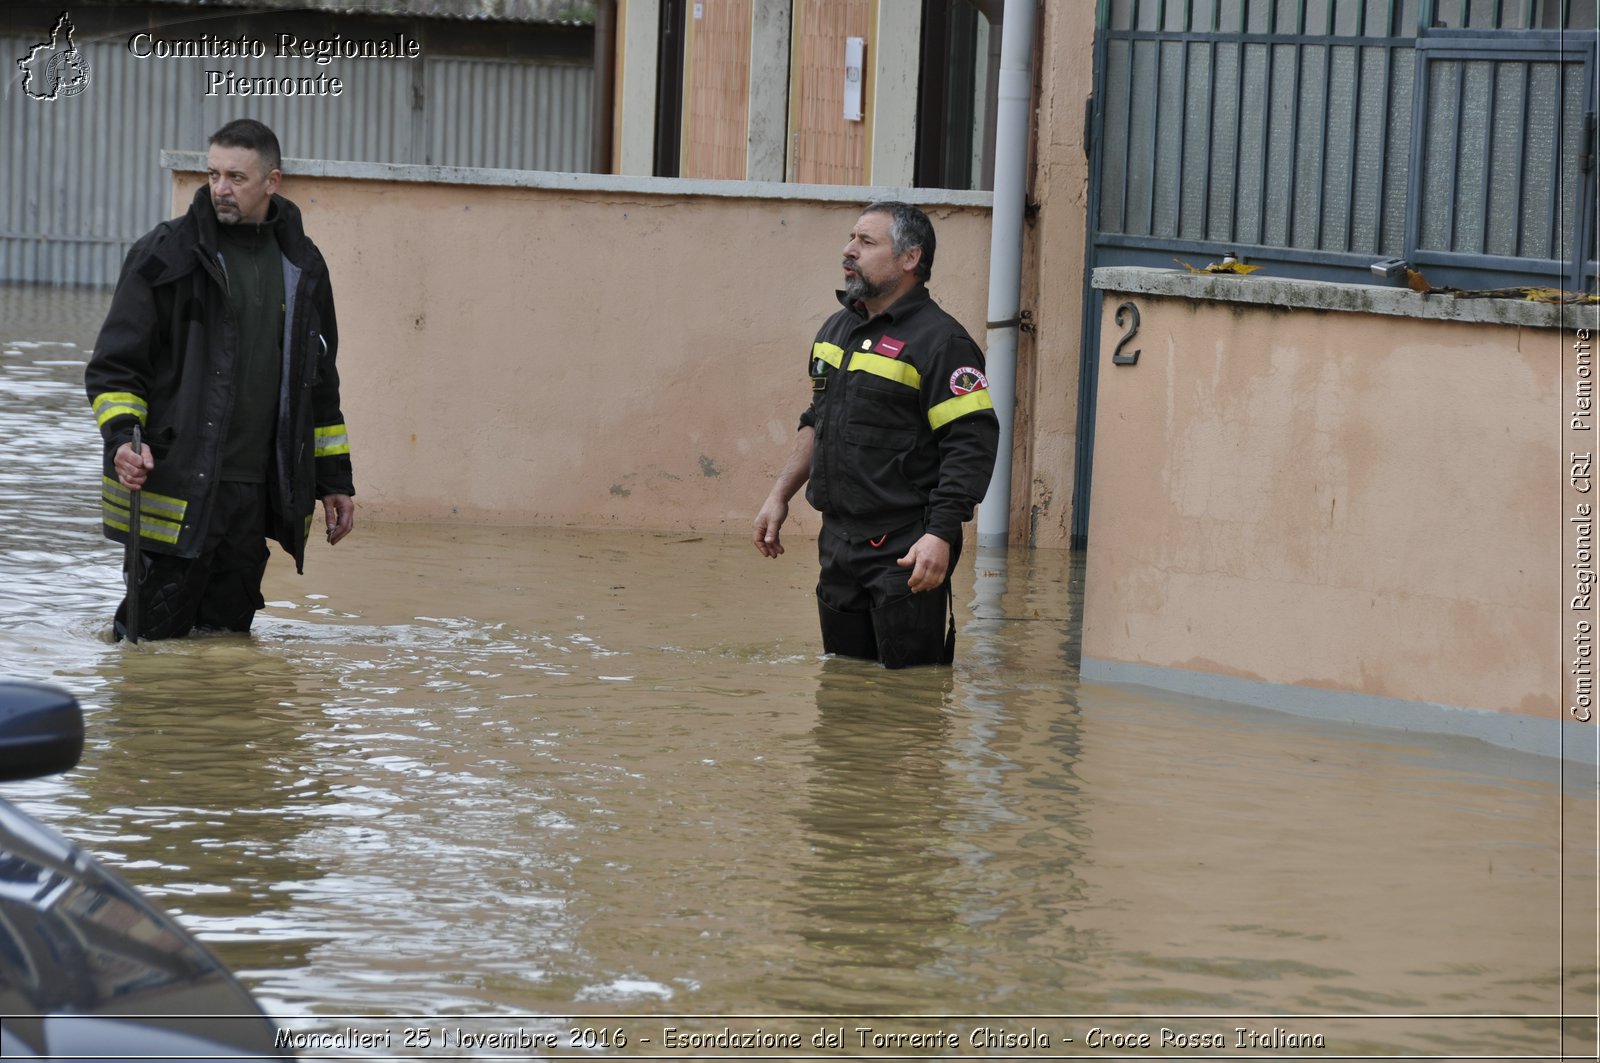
{"points": [[602, 778]]}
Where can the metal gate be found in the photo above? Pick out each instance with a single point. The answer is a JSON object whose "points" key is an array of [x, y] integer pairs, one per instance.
{"points": [[1317, 138]]}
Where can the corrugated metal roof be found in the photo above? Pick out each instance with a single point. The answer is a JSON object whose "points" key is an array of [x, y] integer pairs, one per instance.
{"points": [[562, 12]]}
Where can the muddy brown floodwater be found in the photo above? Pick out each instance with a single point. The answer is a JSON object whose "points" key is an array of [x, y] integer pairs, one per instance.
{"points": [[462, 781]]}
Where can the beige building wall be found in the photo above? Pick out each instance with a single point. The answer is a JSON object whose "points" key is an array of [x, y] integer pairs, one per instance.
{"points": [[1048, 359], [1340, 500], [1046, 433], [581, 350]]}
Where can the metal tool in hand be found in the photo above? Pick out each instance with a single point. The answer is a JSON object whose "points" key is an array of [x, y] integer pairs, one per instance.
{"points": [[134, 557]]}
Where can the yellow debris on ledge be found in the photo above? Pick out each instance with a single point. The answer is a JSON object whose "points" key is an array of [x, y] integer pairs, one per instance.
{"points": [[1229, 264], [1560, 296]]}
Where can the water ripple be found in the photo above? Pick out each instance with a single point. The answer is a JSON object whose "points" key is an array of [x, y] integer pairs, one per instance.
{"points": [[489, 771]]}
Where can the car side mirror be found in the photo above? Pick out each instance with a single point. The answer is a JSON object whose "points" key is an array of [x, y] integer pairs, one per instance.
{"points": [[41, 730]]}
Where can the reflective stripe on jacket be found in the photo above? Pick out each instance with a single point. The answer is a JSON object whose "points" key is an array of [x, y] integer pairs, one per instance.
{"points": [[905, 426]]}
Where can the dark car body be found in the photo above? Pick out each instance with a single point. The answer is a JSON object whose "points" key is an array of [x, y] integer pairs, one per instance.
{"points": [[88, 967]]}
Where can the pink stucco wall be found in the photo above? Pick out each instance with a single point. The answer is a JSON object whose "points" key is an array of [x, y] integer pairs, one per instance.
{"points": [[559, 356], [1049, 357], [1344, 501]]}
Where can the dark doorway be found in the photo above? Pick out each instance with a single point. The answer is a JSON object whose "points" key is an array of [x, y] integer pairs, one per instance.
{"points": [[946, 94], [669, 86]]}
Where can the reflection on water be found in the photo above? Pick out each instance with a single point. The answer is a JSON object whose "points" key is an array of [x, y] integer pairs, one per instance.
{"points": [[476, 771], [878, 793]]}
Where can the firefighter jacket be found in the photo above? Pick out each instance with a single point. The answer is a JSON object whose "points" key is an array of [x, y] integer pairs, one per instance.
{"points": [[165, 360], [905, 427]]}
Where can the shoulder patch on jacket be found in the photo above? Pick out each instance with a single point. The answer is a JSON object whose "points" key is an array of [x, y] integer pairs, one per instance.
{"points": [[966, 380]]}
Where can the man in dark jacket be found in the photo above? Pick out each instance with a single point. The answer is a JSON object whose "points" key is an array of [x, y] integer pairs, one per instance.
{"points": [[897, 447], [220, 346]]}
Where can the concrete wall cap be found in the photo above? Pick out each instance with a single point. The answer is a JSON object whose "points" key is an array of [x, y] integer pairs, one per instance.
{"points": [[195, 162], [1287, 294]]}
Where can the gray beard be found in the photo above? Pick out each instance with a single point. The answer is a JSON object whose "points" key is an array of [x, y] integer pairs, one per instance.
{"points": [[858, 289]]}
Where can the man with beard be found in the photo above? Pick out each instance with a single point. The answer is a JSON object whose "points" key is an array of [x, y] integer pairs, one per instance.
{"points": [[220, 346], [896, 449]]}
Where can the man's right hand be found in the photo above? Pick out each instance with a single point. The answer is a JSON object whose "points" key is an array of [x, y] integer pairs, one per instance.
{"points": [[775, 510], [768, 521], [133, 469]]}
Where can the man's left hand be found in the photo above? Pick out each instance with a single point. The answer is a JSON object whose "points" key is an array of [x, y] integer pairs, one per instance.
{"points": [[929, 561], [340, 512]]}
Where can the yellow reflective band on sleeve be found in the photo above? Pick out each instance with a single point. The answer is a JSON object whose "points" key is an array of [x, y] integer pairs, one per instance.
{"points": [[828, 352], [952, 409], [160, 516], [334, 439], [119, 404], [887, 368]]}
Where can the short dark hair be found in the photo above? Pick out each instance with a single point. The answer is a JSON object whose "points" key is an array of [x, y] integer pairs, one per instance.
{"points": [[249, 133], [909, 227]]}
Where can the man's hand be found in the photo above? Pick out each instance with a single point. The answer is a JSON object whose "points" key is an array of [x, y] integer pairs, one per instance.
{"points": [[775, 510], [133, 469], [340, 513], [773, 513], [929, 561]]}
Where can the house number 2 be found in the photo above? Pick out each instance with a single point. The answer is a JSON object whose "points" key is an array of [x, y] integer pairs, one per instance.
{"points": [[1126, 311]]}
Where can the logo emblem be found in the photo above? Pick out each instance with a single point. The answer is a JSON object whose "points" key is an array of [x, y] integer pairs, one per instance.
{"points": [[55, 69], [966, 380]]}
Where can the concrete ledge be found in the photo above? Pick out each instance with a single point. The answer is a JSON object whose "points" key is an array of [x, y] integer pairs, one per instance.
{"points": [[195, 162], [1285, 294], [1567, 740]]}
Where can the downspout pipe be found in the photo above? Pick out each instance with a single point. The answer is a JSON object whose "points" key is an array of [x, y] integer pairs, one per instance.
{"points": [[1005, 255]]}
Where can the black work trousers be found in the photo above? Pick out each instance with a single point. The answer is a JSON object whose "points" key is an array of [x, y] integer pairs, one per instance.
{"points": [[220, 589], [867, 608]]}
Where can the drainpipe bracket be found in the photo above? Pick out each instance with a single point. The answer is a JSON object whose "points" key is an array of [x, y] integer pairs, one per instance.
{"points": [[1023, 321]]}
